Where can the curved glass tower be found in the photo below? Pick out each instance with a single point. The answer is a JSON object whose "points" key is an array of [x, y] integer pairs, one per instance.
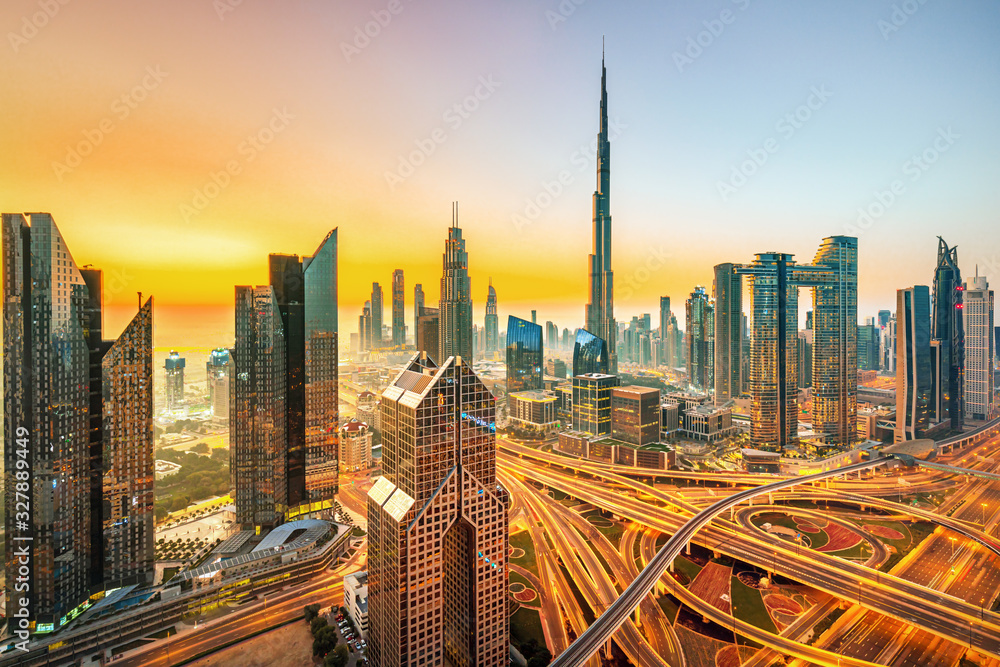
{"points": [[590, 354], [524, 355]]}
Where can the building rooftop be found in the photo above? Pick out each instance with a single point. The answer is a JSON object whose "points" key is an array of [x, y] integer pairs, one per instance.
{"points": [[354, 426], [533, 395], [637, 389]]}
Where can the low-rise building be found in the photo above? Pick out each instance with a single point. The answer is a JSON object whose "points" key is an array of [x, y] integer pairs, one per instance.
{"points": [[669, 419], [533, 409], [356, 600], [755, 460], [708, 422], [355, 446]]}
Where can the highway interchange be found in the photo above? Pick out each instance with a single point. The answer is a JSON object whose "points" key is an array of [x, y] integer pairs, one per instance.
{"points": [[926, 610]]}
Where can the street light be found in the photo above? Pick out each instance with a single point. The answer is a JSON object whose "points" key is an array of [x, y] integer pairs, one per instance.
{"points": [[984, 515]]}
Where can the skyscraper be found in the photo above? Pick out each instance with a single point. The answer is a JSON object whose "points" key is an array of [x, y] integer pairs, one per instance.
{"points": [[365, 327], [590, 354], [947, 327], [173, 372], [418, 304], [914, 374], [551, 335], [728, 366], [377, 312], [700, 339], [258, 443], [301, 445], [322, 345], [437, 522], [428, 329], [398, 297], [455, 337], [128, 469], [773, 369], [869, 342], [78, 415], [601, 305], [492, 323], [217, 377], [592, 403], [979, 348], [664, 315], [834, 279], [525, 355]]}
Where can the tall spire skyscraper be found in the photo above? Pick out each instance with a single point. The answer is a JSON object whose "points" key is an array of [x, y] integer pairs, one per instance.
{"points": [[601, 307], [455, 335], [492, 323]]}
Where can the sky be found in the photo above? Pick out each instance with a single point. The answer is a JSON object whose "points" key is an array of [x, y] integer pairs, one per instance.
{"points": [[177, 144]]}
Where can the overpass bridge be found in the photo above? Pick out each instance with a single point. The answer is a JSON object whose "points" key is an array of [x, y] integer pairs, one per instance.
{"points": [[601, 630]]}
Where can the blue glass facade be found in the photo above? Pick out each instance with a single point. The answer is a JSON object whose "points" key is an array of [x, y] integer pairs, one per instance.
{"points": [[524, 355], [590, 354]]}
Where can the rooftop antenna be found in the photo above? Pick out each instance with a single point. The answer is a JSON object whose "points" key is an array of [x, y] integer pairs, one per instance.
{"points": [[140, 300]]}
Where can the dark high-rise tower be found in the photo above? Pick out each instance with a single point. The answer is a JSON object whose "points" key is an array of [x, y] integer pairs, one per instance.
{"points": [[377, 312], [173, 373], [947, 326], [728, 364], [914, 373], [289, 366], [455, 337], [257, 432], [700, 339], [601, 306], [78, 437], [418, 306], [492, 323], [398, 297]]}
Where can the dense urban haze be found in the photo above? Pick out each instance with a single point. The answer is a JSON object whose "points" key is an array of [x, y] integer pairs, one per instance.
{"points": [[683, 117], [534, 334]]}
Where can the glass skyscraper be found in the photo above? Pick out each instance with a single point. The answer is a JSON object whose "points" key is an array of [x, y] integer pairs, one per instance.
{"points": [[398, 304], [600, 311], [258, 444], [773, 370], [492, 323], [437, 524], [914, 373], [525, 355], [590, 354], [979, 349], [78, 431], [728, 346], [304, 294], [127, 400], [947, 326], [700, 339], [455, 311]]}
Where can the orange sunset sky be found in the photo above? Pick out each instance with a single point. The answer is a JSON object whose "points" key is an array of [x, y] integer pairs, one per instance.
{"points": [[118, 115]]}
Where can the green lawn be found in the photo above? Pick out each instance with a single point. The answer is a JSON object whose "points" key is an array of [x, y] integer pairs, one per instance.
{"points": [[588, 613], [525, 625], [669, 607], [522, 540], [514, 577], [824, 624], [687, 567], [750, 607]]}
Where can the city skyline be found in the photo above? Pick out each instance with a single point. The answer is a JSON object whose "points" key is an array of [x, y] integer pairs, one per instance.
{"points": [[682, 128]]}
